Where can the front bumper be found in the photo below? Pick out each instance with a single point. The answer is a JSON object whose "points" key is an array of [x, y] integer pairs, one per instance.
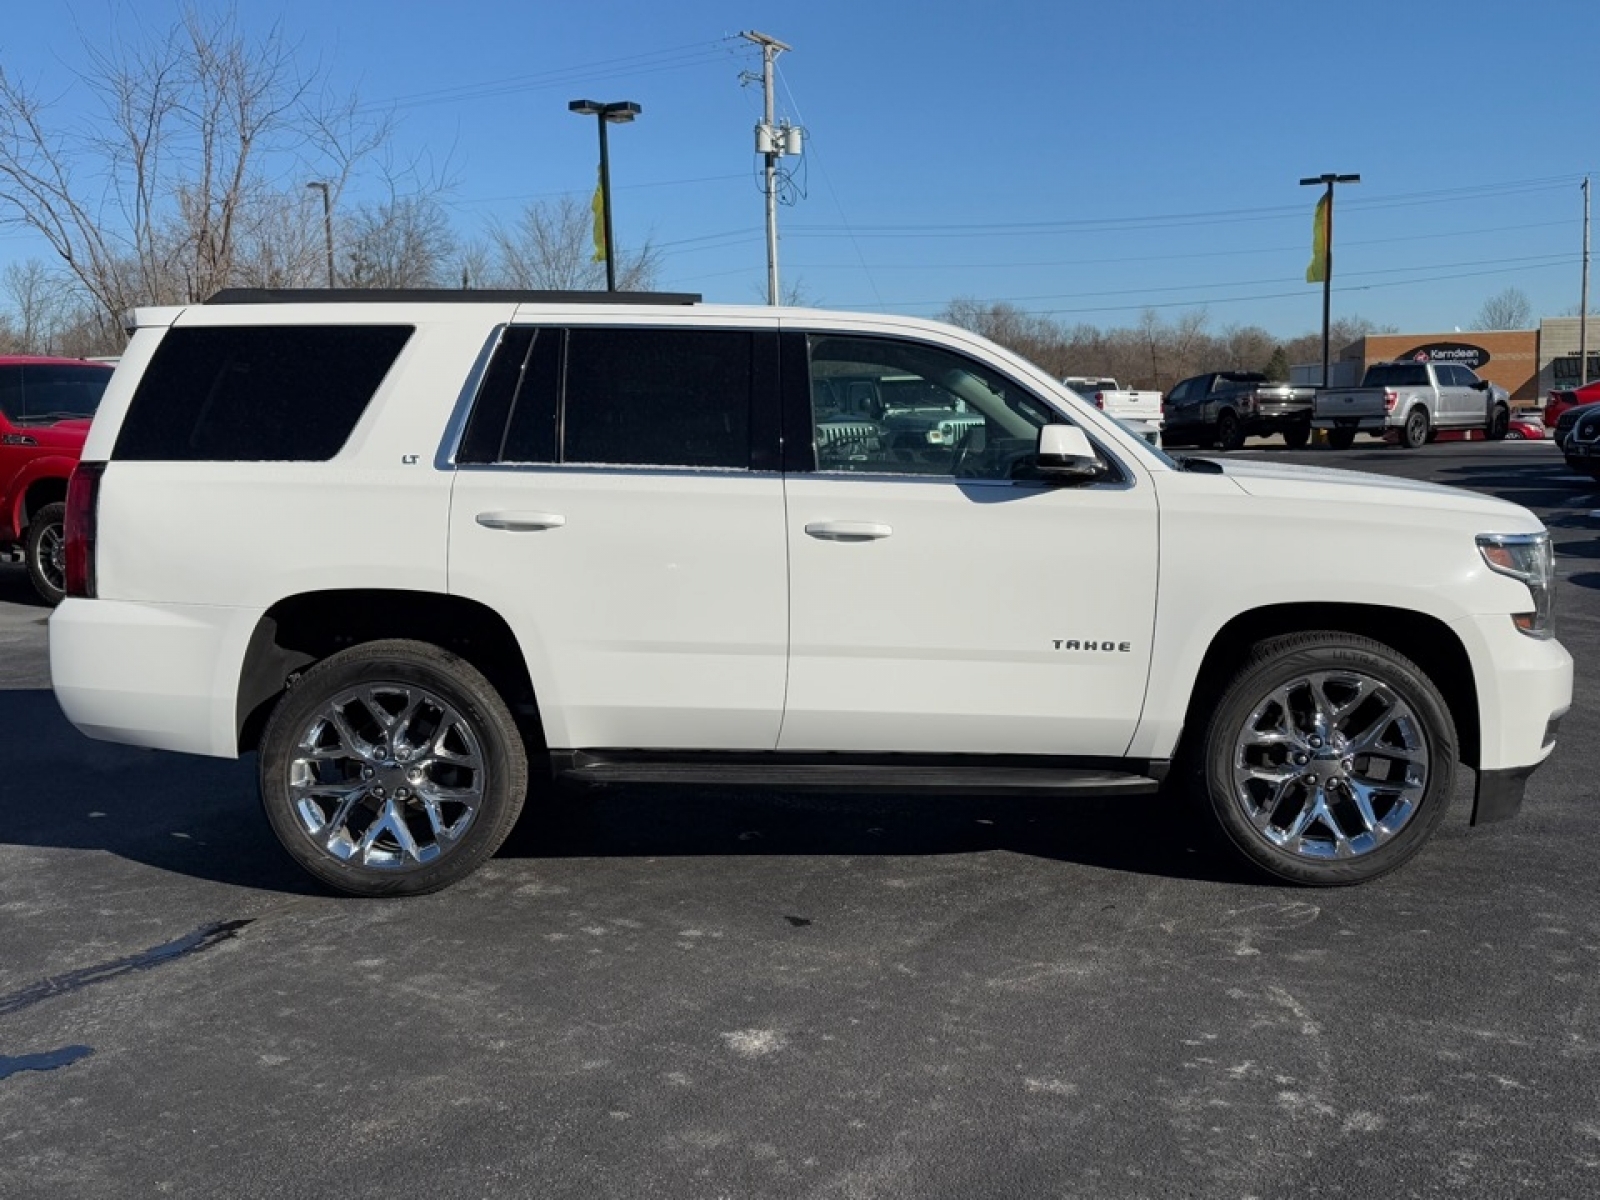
{"points": [[1524, 689]]}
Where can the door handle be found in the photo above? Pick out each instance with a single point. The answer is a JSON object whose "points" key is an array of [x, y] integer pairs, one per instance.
{"points": [[848, 531], [520, 522]]}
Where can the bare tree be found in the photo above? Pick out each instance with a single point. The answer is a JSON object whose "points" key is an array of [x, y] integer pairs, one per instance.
{"points": [[1508, 309], [405, 243], [41, 304], [175, 189], [551, 246]]}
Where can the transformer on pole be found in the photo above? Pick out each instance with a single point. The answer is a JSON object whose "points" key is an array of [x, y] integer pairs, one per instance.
{"points": [[773, 141]]}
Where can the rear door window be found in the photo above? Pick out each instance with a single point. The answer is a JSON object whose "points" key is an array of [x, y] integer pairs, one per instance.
{"points": [[593, 395], [256, 393]]}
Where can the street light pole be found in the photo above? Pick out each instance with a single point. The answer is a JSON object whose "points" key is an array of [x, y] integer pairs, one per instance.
{"points": [[327, 223], [1327, 263], [617, 113]]}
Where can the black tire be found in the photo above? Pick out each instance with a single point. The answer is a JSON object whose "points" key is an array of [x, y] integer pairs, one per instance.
{"points": [[1230, 430], [44, 549], [1499, 423], [1296, 436], [1259, 789], [453, 742], [1341, 439], [1415, 433]]}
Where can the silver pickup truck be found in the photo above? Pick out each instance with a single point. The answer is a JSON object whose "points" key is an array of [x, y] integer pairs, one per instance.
{"points": [[1415, 398]]}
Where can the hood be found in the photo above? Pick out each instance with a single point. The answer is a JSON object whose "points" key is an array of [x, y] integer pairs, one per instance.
{"points": [[1336, 487]]}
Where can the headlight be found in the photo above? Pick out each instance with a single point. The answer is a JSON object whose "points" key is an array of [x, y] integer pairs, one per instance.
{"points": [[1530, 558]]}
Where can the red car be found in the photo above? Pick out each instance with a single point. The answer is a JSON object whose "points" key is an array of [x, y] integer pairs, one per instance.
{"points": [[1562, 400], [1526, 427], [46, 405]]}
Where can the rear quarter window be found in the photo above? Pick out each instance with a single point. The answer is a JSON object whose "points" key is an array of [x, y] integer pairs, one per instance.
{"points": [[256, 393]]}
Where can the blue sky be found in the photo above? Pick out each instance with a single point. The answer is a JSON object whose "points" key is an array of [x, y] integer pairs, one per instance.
{"points": [[1081, 161]]}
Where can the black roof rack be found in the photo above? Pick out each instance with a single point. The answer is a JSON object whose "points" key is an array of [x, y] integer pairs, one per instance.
{"points": [[441, 296]]}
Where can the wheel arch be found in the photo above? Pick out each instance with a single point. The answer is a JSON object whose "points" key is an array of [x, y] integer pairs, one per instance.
{"points": [[1425, 640], [46, 490], [301, 630]]}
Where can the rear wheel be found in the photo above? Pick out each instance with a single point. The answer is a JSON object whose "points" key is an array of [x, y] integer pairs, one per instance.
{"points": [[45, 551], [1296, 436], [1230, 431], [1499, 424], [392, 768], [1329, 759], [1341, 439], [1414, 434]]}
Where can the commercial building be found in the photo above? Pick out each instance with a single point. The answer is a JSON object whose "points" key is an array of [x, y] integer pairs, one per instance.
{"points": [[1528, 363]]}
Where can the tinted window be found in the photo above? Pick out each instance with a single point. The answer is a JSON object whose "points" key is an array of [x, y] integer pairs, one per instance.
{"points": [[257, 393], [656, 397], [514, 415], [11, 392], [52, 393], [1396, 375]]}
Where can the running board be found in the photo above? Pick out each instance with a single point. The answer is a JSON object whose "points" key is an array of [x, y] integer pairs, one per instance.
{"points": [[855, 775]]}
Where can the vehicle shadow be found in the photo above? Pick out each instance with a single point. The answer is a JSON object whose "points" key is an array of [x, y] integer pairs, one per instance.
{"points": [[1144, 835], [194, 816], [201, 817], [1549, 486], [17, 588]]}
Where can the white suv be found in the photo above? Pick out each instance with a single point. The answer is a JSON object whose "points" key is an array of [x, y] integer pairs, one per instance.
{"points": [[420, 551]]}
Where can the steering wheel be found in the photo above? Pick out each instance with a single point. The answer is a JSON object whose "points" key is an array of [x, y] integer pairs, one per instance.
{"points": [[974, 444]]}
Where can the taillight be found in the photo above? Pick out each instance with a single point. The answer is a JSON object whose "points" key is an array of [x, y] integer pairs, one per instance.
{"points": [[83, 504], [1100, 401], [1390, 399]]}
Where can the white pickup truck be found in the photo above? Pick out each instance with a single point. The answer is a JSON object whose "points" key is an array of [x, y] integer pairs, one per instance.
{"points": [[1139, 411], [1415, 398]]}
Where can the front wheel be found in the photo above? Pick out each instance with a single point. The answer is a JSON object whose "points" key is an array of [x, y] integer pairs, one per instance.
{"points": [[1499, 424], [1329, 759], [44, 548], [1415, 433], [392, 768]]}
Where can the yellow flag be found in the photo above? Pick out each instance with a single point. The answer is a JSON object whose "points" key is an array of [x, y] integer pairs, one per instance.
{"points": [[598, 207], [1317, 272]]}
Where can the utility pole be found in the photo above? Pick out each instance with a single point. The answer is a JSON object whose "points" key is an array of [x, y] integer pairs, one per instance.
{"points": [[327, 222], [1327, 262], [772, 143], [1583, 303]]}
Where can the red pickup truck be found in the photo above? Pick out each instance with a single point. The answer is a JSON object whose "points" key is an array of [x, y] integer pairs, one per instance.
{"points": [[46, 405]]}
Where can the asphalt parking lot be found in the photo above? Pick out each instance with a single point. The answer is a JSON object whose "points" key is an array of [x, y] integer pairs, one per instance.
{"points": [[661, 993]]}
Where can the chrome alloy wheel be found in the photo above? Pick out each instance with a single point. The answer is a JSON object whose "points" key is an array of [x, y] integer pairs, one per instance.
{"points": [[386, 776], [1330, 766], [53, 556]]}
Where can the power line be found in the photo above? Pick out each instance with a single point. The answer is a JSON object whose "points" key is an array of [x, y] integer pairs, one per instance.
{"points": [[1178, 220], [651, 62]]}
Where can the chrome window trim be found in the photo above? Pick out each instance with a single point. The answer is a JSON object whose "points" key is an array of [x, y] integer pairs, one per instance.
{"points": [[456, 427]]}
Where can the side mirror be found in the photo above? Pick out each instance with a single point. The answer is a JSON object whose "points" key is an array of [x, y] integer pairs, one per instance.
{"points": [[1481, 385], [1065, 454]]}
